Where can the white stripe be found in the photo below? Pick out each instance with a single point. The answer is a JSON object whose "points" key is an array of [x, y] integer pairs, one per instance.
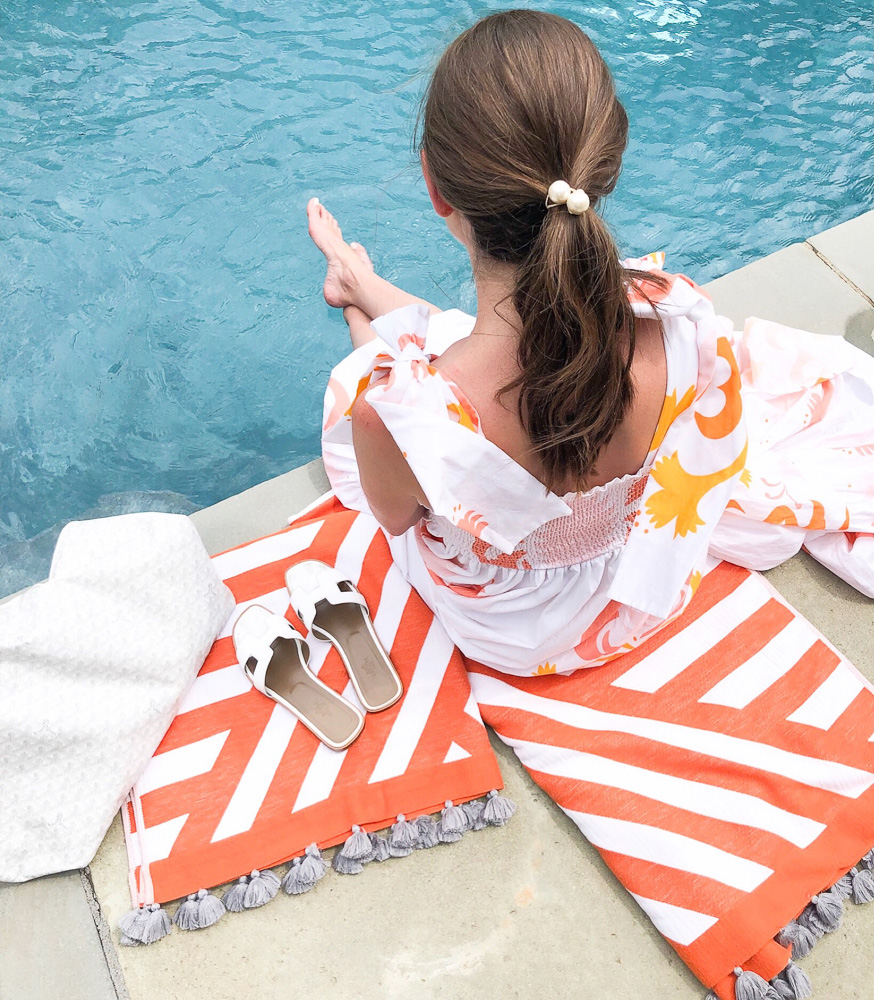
{"points": [[147, 889], [673, 850], [392, 602], [353, 548], [258, 776], [265, 550], [833, 777], [181, 763], [416, 706], [472, 709], [764, 668], [157, 841], [455, 752], [830, 700], [676, 923], [694, 796], [321, 775], [311, 506], [217, 685], [681, 651]]}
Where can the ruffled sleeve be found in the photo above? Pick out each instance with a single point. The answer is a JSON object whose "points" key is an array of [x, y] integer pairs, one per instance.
{"points": [[465, 477]]}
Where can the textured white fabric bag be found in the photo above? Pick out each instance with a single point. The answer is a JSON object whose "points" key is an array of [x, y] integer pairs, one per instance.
{"points": [[93, 663]]}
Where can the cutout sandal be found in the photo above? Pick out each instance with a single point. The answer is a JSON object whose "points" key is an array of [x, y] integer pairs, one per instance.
{"points": [[333, 608], [275, 657]]}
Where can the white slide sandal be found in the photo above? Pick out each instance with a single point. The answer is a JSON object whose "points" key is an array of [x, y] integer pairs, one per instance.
{"points": [[333, 608], [275, 657]]}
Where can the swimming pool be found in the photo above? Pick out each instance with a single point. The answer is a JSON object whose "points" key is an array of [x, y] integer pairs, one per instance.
{"points": [[164, 338]]}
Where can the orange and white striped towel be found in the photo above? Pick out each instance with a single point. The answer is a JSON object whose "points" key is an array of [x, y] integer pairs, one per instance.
{"points": [[238, 784], [724, 770]]}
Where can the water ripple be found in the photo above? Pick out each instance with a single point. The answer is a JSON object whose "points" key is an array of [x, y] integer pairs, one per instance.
{"points": [[163, 322]]}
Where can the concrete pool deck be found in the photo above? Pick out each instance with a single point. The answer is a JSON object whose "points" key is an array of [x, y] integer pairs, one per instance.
{"points": [[526, 911]]}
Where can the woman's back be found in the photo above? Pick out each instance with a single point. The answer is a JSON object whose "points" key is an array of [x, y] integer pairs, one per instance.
{"points": [[481, 364]]}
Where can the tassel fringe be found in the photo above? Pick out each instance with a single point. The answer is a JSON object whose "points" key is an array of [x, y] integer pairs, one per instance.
{"points": [[403, 838], [498, 810], [452, 824], [428, 836], [304, 872], [751, 986], [145, 925], [201, 909]]}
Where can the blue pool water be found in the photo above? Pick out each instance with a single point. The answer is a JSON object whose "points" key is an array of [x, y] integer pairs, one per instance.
{"points": [[164, 340]]}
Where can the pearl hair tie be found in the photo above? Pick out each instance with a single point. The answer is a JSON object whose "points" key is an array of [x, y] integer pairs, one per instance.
{"points": [[561, 193]]}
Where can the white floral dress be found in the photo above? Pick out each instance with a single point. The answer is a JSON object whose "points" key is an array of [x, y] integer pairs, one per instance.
{"points": [[765, 443]]}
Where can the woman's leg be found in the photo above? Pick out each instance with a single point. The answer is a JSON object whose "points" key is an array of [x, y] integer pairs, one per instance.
{"points": [[351, 280], [358, 322]]}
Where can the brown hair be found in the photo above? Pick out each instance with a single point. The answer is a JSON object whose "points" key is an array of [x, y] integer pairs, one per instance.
{"points": [[519, 100]]}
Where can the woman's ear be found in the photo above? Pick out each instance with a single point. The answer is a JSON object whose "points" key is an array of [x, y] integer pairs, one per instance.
{"points": [[441, 207]]}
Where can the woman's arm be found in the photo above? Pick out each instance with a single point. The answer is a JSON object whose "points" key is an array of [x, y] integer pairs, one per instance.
{"points": [[393, 492]]}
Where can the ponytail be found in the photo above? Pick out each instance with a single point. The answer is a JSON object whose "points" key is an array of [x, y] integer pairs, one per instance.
{"points": [[576, 344]]}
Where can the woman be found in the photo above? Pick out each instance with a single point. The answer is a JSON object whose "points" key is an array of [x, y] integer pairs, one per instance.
{"points": [[554, 473]]}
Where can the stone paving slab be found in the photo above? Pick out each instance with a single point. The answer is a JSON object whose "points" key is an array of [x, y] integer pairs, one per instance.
{"points": [[794, 286], [849, 248], [49, 944]]}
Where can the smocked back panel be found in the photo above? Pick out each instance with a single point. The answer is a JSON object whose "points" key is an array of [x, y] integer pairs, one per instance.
{"points": [[598, 524]]}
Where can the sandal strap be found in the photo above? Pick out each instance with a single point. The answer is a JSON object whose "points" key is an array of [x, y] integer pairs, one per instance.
{"points": [[260, 649], [305, 598]]}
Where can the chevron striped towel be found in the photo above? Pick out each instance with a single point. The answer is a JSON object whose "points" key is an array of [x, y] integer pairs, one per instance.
{"points": [[238, 785], [723, 770]]}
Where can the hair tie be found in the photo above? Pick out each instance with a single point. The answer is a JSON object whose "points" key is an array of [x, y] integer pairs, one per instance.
{"points": [[561, 193]]}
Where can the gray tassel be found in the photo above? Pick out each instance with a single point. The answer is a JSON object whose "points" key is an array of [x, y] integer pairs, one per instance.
{"points": [[262, 887], [381, 850], [751, 986], [234, 898], [145, 925], [358, 846], [783, 990], [427, 830], [843, 888], [799, 938], [403, 838], [863, 886], [346, 866], [185, 917], [474, 811], [823, 914], [868, 860], [313, 864], [498, 809], [198, 911], [129, 942], [452, 823], [794, 980], [296, 881]]}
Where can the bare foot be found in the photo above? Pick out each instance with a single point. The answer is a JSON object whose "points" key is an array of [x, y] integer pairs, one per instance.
{"points": [[345, 263]]}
